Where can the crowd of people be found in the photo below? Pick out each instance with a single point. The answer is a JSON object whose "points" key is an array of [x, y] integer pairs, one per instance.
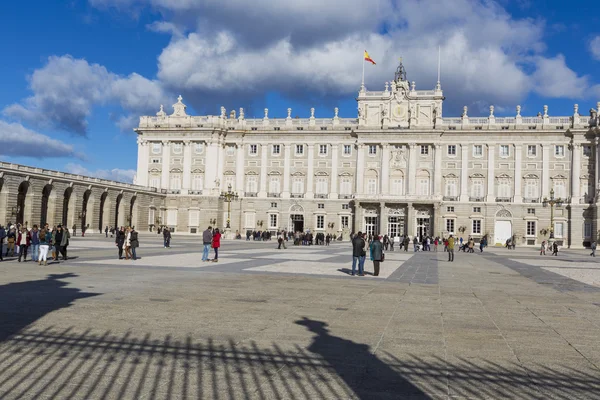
{"points": [[21, 241]]}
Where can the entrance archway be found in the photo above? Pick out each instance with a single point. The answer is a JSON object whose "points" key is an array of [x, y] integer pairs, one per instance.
{"points": [[21, 196], [66, 205], [502, 227], [117, 209], [132, 212], [84, 206], [46, 193], [101, 216], [297, 218]]}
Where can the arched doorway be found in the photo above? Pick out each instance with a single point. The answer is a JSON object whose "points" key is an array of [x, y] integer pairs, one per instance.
{"points": [[132, 209], [84, 206], [66, 205], [21, 196], [502, 226], [118, 205], [296, 218], [46, 193], [101, 216]]}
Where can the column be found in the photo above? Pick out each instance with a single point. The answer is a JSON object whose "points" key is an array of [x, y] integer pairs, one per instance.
{"points": [[210, 166], [141, 177], [239, 168], [411, 174], [263, 170], [576, 174], [383, 219], [597, 171], [166, 164], [286, 170], [518, 198], [221, 164], [334, 172], [310, 175], [437, 170], [410, 221], [545, 170], [186, 185], [385, 170], [464, 172], [491, 172], [360, 169]]}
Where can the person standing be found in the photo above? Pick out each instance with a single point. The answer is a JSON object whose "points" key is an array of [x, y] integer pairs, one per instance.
{"points": [[216, 243], [206, 241], [555, 249], [435, 243], [593, 254], [450, 248], [11, 238], [376, 254], [358, 254], [106, 231], [35, 243], [74, 229], [2, 236], [128, 243], [543, 248], [64, 244], [134, 243], [120, 241], [167, 237], [24, 240], [45, 241]]}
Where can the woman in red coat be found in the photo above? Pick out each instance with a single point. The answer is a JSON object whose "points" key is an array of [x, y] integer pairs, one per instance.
{"points": [[216, 243]]}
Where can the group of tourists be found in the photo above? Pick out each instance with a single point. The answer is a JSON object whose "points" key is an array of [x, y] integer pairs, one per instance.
{"points": [[127, 238], [19, 240], [554, 248], [359, 253]]}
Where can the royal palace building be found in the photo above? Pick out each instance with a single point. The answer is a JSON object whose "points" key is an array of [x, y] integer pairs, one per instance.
{"points": [[400, 167]]}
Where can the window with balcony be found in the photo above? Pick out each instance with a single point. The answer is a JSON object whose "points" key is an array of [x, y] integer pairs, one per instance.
{"points": [[559, 187], [477, 189], [197, 182], [274, 186], [298, 186], [451, 188], [372, 186], [155, 181], [423, 183], [251, 184], [531, 189], [346, 186], [175, 182], [397, 186], [322, 186]]}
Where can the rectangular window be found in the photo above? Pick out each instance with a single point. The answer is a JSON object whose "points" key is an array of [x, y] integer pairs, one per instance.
{"points": [[273, 205], [177, 148], [450, 226], [229, 182], [175, 182], [396, 186], [194, 218], [253, 149], [274, 186], [172, 217], [587, 230], [558, 229], [531, 191], [230, 150], [424, 150], [322, 186], [476, 225], [156, 161], [372, 186], [155, 181], [299, 149], [345, 206], [559, 190], [477, 210], [531, 228], [320, 221], [504, 150], [251, 184], [531, 150], [452, 150], [320, 205], [423, 188], [347, 149], [156, 148], [197, 182], [531, 211], [276, 149], [372, 150], [273, 221], [298, 186], [477, 189], [323, 149], [345, 221], [346, 186], [477, 150], [587, 150], [199, 148], [450, 209], [559, 150]]}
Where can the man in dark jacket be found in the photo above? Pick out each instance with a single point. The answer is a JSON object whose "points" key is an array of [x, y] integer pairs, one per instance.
{"points": [[167, 237], [377, 254], [358, 254], [134, 242], [207, 236], [58, 239], [120, 241]]}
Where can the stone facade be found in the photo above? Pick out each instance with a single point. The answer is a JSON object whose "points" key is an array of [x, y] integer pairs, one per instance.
{"points": [[31, 196], [399, 167]]}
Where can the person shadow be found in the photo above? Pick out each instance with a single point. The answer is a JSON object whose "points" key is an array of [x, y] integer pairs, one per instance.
{"points": [[23, 303], [361, 370]]}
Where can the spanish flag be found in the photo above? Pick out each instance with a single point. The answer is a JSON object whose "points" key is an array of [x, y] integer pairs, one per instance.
{"points": [[368, 58]]}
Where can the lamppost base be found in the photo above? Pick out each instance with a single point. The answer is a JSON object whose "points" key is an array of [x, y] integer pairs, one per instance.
{"points": [[228, 234]]}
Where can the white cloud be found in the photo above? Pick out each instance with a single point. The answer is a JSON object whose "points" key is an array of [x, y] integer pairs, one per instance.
{"points": [[18, 141], [116, 174], [66, 89], [553, 78], [595, 47]]}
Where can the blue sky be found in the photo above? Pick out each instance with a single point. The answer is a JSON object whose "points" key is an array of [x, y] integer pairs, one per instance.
{"points": [[77, 75]]}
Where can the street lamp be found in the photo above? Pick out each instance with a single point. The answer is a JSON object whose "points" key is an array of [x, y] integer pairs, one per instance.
{"points": [[552, 202], [228, 197]]}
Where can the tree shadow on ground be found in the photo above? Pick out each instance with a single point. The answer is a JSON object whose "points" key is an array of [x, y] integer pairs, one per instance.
{"points": [[23, 303]]}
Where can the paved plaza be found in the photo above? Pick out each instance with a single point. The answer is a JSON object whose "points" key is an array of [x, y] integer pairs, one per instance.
{"points": [[293, 324]]}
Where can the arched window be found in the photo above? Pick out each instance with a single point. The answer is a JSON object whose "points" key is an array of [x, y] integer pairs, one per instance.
{"points": [[322, 185], [197, 182], [346, 185], [423, 183], [371, 182], [274, 184], [251, 184], [397, 183]]}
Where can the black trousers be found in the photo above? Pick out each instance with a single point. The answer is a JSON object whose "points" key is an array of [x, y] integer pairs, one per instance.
{"points": [[376, 268], [57, 250], [120, 252], [23, 252], [63, 251]]}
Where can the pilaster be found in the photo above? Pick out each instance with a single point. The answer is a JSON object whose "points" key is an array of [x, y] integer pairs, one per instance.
{"points": [[239, 167], [286, 171], [410, 221], [491, 172], [383, 214], [385, 171], [437, 170], [464, 172], [142, 162], [187, 167], [576, 174], [310, 175], [166, 164], [360, 169], [518, 197], [263, 170], [545, 169], [412, 169], [334, 172]]}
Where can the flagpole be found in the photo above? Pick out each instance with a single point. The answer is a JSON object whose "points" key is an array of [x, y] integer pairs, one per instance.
{"points": [[362, 85]]}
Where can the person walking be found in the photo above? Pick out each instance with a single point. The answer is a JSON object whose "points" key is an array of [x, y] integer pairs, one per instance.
{"points": [[436, 241], [134, 243], [471, 244], [206, 241], [106, 231], [64, 244], [593, 254], [120, 241], [167, 237], [127, 243], [555, 249], [11, 238], [24, 240], [216, 243], [376, 254], [45, 243], [543, 248], [35, 243], [358, 254], [56, 241], [450, 248]]}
